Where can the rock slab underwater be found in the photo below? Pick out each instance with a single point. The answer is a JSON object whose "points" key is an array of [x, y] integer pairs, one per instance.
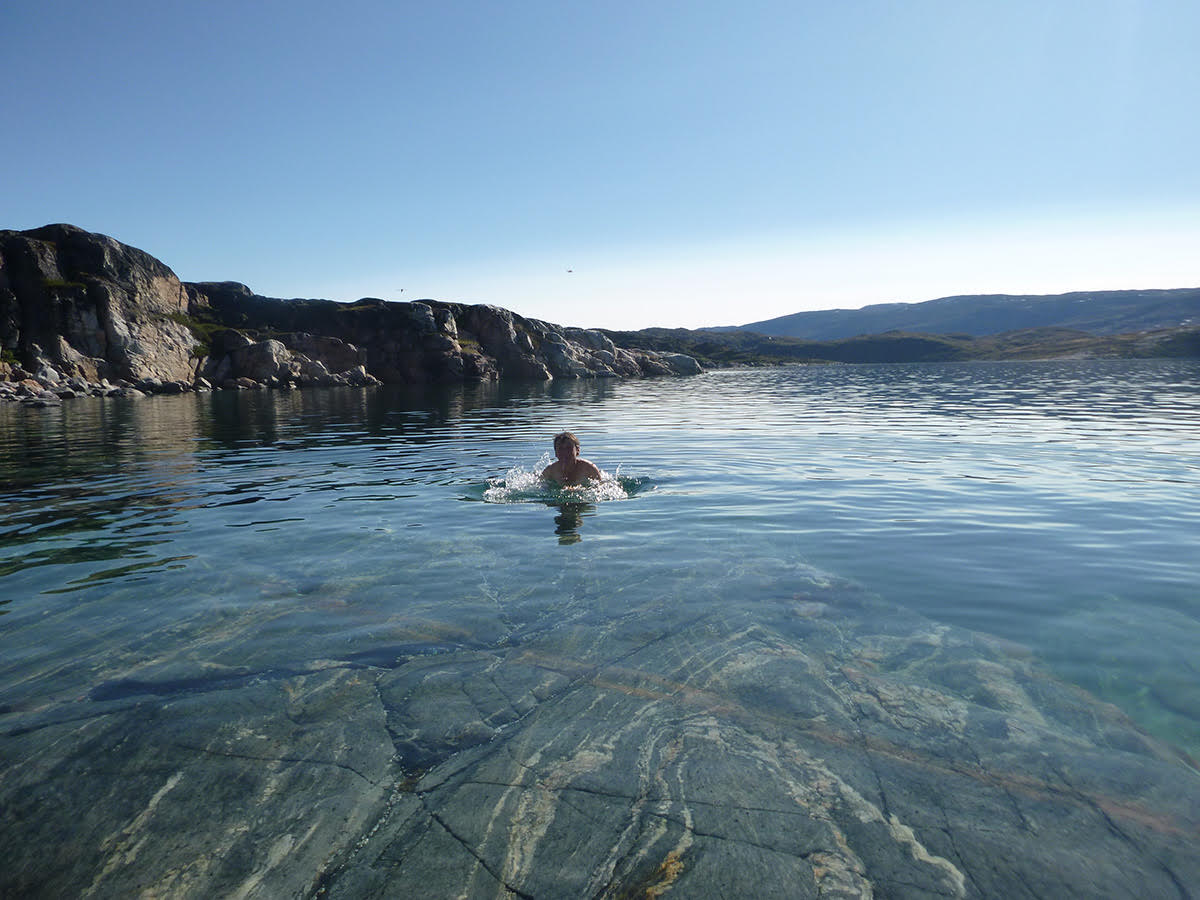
{"points": [[821, 744]]}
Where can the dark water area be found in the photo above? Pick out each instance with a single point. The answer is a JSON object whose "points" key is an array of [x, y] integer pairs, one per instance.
{"points": [[1011, 547]]}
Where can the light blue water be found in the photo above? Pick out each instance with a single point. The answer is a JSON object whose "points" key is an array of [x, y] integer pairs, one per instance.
{"points": [[1051, 504]]}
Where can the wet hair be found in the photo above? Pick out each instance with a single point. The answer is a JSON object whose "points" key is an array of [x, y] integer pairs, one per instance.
{"points": [[565, 437]]}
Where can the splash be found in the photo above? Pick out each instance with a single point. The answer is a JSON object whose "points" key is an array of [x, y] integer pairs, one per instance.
{"points": [[525, 485]]}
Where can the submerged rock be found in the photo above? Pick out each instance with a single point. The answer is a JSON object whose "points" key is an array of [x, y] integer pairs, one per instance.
{"points": [[817, 744]]}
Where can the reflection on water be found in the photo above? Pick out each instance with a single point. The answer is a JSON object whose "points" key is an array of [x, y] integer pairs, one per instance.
{"points": [[569, 520]]}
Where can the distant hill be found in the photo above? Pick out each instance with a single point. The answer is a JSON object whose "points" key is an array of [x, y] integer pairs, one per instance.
{"points": [[717, 349], [1094, 312]]}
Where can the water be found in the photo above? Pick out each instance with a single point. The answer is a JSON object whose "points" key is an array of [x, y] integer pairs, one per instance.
{"points": [[246, 637], [1051, 504]]}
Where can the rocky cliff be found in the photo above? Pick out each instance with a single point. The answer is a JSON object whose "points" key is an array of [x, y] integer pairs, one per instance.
{"points": [[91, 307], [81, 312]]}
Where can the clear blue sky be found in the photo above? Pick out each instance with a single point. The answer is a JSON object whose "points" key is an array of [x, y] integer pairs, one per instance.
{"points": [[692, 163]]}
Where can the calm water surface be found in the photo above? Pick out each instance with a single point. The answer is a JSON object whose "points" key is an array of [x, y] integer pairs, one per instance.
{"points": [[1051, 504]]}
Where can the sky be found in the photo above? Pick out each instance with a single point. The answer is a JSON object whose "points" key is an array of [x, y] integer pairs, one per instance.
{"points": [[616, 164]]}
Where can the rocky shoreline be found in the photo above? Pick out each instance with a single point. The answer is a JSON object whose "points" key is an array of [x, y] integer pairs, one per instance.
{"points": [[48, 386], [82, 314], [48, 390]]}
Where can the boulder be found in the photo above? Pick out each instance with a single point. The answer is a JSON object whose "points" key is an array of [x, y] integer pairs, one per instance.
{"points": [[262, 361], [126, 392], [241, 383], [228, 340], [335, 354], [358, 377], [649, 364], [313, 371], [47, 375], [680, 363], [562, 359]]}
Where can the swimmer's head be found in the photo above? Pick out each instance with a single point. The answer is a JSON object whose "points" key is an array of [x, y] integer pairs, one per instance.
{"points": [[565, 437]]}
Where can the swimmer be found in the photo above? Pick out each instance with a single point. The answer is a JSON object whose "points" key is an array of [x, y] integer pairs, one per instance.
{"points": [[571, 468]]}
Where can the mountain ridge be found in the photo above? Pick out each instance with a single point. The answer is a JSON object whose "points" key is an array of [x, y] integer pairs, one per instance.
{"points": [[981, 315]]}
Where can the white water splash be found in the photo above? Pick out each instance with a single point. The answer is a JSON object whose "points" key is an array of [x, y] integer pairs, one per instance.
{"points": [[526, 485]]}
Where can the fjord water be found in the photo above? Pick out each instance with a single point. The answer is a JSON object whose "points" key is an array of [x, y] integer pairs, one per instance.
{"points": [[1050, 504]]}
